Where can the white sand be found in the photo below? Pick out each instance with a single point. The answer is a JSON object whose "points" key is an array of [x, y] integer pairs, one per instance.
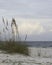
{"points": [[38, 56]]}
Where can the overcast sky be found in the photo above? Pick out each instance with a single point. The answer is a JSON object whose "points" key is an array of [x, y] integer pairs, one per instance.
{"points": [[34, 17]]}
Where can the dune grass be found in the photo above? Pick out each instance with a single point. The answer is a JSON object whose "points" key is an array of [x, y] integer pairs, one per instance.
{"points": [[14, 47]]}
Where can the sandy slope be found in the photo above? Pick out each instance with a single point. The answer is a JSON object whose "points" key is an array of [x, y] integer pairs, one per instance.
{"points": [[34, 59]]}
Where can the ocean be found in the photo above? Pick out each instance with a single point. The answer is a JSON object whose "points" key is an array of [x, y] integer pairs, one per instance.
{"points": [[39, 43]]}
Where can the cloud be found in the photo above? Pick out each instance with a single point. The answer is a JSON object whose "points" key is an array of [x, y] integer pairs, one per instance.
{"points": [[50, 30], [30, 28], [47, 36], [33, 26], [2, 11], [27, 8]]}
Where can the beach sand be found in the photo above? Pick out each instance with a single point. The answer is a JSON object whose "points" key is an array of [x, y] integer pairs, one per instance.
{"points": [[38, 56]]}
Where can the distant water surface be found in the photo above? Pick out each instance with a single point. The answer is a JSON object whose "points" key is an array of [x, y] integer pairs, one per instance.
{"points": [[40, 43]]}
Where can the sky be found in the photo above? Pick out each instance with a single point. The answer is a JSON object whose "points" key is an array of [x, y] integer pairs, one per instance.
{"points": [[33, 17]]}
